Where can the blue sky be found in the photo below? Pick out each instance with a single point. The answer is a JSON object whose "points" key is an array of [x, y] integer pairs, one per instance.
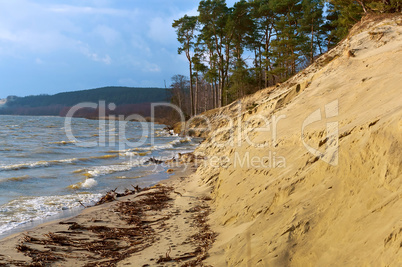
{"points": [[54, 46]]}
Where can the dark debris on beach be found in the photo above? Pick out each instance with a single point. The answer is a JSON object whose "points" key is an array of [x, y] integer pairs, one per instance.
{"points": [[137, 222], [99, 245]]}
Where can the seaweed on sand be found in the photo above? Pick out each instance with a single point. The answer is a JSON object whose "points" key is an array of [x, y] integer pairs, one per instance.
{"points": [[94, 244]]}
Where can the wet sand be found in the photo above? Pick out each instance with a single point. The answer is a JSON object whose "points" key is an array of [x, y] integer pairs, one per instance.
{"points": [[164, 225]]}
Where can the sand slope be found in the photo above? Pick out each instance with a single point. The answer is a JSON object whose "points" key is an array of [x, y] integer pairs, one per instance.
{"points": [[278, 204]]}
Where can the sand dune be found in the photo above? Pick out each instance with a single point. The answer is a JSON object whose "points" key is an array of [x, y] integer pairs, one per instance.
{"points": [[307, 173], [320, 185]]}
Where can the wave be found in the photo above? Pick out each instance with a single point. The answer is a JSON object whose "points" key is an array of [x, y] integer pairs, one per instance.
{"points": [[110, 169], [88, 183], [165, 133], [29, 209], [42, 163], [134, 177], [11, 149], [104, 157], [129, 152], [103, 170], [138, 175], [16, 179], [63, 142], [37, 164], [21, 166], [167, 146]]}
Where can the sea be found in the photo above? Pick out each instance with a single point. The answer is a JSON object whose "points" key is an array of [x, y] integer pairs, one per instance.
{"points": [[53, 167]]}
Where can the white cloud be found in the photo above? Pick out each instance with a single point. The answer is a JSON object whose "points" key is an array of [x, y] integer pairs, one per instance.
{"points": [[142, 64], [151, 67], [39, 61], [191, 12], [140, 45], [94, 56], [135, 36], [160, 30], [109, 35], [27, 27], [87, 10], [6, 35]]}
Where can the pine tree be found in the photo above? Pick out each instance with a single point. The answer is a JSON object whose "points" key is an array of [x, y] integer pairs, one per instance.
{"points": [[185, 29], [288, 42], [213, 16], [343, 14], [240, 27], [264, 20], [311, 28]]}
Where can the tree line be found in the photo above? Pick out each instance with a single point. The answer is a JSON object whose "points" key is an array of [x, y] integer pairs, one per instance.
{"points": [[127, 100], [111, 94], [255, 44]]}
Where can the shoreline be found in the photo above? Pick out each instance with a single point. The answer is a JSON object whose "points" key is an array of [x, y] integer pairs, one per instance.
{"points": [[164, 223], [158, 121], [32, 225], [72, 170]]}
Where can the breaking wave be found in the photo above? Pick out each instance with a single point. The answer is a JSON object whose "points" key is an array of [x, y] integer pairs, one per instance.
{"points": [[29, 209]]}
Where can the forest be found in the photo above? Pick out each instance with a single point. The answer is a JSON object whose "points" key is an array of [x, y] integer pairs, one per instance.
{"points": [[255, 44], [128, 100]]}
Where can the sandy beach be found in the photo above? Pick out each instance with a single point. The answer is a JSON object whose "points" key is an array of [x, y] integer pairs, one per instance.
{"points": [[305, 173], [165, 224]]}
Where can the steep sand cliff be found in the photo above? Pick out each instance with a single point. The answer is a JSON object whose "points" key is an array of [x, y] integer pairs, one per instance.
{"points": [[321, 183]]}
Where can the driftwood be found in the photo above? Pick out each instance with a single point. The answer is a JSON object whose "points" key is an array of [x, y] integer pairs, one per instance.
{"points": [[154, 160]]}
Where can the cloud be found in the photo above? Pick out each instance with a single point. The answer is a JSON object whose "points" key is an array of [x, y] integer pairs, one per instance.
{"points": [[191, 12], [108, 34], [135, 37], [151, 67], [88, 10], [6, 35], [160, 30], [141, 64], [140, 46], [27, 27], [94, 56], [39, 61]]}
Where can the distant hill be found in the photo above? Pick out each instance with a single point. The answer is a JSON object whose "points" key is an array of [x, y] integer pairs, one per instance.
{"points": [[117, 95], [127, 98]]}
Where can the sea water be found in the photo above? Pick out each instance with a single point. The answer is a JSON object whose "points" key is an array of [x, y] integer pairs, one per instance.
{"points": [[48, 169]]}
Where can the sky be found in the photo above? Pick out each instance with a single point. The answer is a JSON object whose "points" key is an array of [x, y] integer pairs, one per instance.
{"points": [[47, 47]]}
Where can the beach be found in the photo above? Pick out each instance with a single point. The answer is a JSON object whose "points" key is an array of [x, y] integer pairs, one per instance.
{"points": [[51, 168], [165, 223], [305, 173]]}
